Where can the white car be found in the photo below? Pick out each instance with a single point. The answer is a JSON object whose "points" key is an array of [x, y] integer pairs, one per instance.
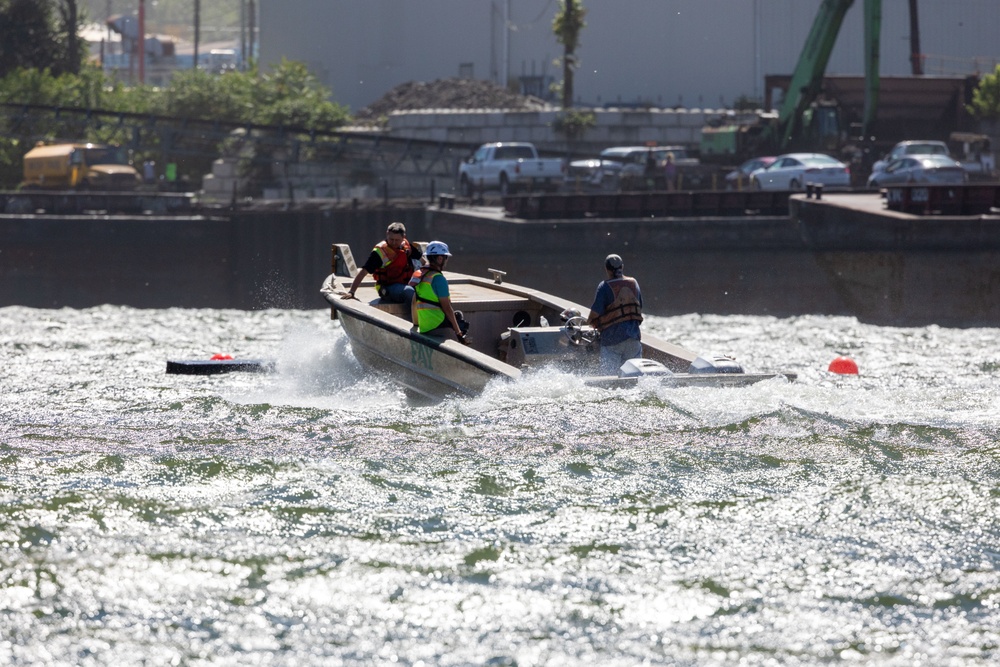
{"points": [[794, 170], [737, 178], [939, 169], [904, 148]]}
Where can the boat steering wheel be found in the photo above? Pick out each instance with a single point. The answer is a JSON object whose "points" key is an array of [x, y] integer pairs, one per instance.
{"points": [[574, 330]]}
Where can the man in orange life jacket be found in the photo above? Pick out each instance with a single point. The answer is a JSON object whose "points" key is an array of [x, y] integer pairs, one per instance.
{"points": [[616, 313], [392, 262]]}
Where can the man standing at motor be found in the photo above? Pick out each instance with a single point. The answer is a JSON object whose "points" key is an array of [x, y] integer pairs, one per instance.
{"points": [[392, 263], [616, 313], [431, 308]]}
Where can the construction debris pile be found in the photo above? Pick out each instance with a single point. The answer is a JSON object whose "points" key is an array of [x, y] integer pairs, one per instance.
{"points": [[447, 94]]}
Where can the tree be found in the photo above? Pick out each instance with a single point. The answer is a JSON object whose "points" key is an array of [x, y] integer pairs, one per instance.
{"points": [[288, 96], [70, 56], [986, 97], [32, 37], [567, 25], [26, 35]]}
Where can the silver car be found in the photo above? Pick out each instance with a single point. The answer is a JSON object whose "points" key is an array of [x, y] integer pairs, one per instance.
{"points": [[904, 148], [920, 169], [794, 170]]}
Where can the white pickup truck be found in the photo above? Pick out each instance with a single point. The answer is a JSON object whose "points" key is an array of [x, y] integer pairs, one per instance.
{"points": [[508, 167]]}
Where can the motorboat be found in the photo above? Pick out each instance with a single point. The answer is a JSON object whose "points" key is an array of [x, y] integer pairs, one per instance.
{"points": [[512, 330]]}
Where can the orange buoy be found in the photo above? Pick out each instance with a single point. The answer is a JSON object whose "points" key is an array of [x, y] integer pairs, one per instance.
{"points": [[227, 357], [843, 366]]}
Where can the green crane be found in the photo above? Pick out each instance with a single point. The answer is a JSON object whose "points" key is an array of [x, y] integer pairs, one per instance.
{"points": [[807, 78], [803, 122]]}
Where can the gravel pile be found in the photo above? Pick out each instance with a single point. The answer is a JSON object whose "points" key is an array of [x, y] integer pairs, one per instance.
{"points": [[447, 94]]}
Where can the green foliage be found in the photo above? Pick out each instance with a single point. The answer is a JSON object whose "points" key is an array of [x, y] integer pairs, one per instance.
{"points": [[291, 95], [288, 96], [40, 34], [986, 97], [574, 123], [567, 26], [87, 90]]}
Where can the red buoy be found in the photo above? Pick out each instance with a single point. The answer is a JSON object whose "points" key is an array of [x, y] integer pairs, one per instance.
{"points": [[843, 366], [226, 357]]}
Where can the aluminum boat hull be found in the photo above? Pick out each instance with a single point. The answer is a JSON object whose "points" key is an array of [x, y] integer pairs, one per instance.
{"points": [[511, 327]]}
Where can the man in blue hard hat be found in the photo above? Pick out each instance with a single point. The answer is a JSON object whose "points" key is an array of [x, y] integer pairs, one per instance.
{"points": [[431, 308]]}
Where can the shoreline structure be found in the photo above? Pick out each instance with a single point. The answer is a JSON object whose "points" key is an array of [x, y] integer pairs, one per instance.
{"points": [[839, 255]]}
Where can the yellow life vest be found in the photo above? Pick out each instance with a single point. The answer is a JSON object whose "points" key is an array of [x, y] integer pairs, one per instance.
{"points": [[427, 304]]}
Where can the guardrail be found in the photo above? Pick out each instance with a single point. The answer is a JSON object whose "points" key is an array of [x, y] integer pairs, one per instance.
{"points": [[697, 203], [973, 199]]}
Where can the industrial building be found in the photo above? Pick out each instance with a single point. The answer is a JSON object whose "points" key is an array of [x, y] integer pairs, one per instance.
{"points": [[662, 53]]}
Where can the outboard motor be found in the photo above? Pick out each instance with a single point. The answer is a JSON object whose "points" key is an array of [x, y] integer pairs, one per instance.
{"points": [[639, 367], [715, 363]]}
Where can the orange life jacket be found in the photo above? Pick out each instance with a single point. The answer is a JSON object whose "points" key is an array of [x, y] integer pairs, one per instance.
{"points": [[625, 305], [396, 266]]}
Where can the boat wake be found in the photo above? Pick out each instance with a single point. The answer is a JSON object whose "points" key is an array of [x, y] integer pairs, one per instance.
{"points": [[314, 369]]}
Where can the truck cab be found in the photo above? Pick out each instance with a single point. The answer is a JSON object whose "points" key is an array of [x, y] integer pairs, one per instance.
{"points": [[80, 166]]}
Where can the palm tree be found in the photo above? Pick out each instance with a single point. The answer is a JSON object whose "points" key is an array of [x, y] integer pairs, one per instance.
{"points": [[567, 26]]}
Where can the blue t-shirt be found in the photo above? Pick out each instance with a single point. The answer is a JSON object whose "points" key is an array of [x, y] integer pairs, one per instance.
{"points": [[440, 286], [616, 333]]}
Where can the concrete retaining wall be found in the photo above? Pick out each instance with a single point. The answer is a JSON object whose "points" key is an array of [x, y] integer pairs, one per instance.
{"points": [[613, 127], [278, 259]]}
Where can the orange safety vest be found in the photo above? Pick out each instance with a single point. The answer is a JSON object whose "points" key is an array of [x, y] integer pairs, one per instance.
{"points": [[396, 266], [624, 307]]}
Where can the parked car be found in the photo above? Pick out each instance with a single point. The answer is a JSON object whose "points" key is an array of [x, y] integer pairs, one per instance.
{"points": [[740, 177], [624, 167], [975, 153], [794, 170], [509, 167], [920, 169], [904, 148], [593, 173]]}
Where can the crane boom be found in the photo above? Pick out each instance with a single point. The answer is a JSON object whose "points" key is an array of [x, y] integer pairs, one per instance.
{"points": [[808, 74], [873, 31], [807, 78], [801, 122]]}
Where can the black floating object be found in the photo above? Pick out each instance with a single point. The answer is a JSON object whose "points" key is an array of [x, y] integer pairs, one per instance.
{"points": [[216, 366]]}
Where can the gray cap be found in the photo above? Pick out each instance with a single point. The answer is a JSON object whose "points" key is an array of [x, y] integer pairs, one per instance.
{"points": [[614, 262]]}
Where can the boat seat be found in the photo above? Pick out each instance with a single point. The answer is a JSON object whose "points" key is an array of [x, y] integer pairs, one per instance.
{"points": [[470, 306], [478, 305]]}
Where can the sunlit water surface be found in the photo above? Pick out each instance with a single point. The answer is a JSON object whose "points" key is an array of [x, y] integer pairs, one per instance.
{"points": [[312, 517]]}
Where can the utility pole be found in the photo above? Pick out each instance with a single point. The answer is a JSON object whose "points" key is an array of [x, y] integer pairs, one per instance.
{"points": [[252, 29], [916, 58], [141, 41], [505, 76], [197, 30], [243, 35], [568, 58]]}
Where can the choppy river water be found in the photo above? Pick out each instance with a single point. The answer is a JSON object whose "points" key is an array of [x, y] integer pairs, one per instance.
{"points": [[312, 517]]}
